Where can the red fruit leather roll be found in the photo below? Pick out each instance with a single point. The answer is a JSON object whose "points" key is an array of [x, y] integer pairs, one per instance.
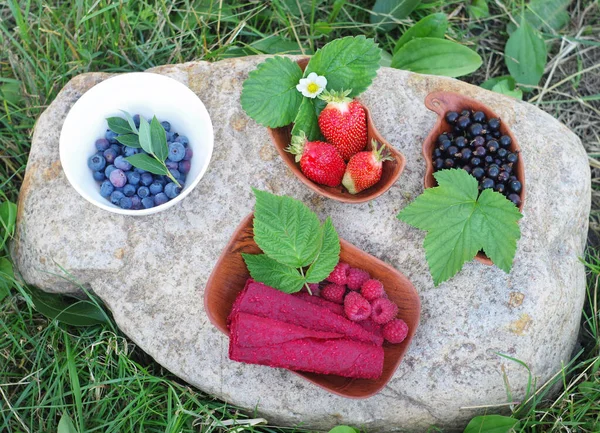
{"points": [[372, 327], [342, 357], [264, 301], [317, 300], [248, 330]]}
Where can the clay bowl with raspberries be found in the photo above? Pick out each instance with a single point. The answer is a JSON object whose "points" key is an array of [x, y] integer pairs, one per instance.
{"points": [[442, 103], [230, 274], [391, 168]]}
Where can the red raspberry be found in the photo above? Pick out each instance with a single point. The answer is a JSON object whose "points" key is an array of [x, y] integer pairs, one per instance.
{"points": [[339, 275], [356, 307], [372, 289], [334, 293], [383, 310], [356, 278], [395, 331]]}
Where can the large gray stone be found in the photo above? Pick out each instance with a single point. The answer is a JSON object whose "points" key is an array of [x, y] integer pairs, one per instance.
{"points": [[151, 271]]}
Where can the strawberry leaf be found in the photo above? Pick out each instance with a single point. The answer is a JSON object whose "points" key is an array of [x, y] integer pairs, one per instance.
{"points": [[329, 254], [272, 273], [307, 119], [286, 229], [269, 94], [460, 222], [347, 63]]}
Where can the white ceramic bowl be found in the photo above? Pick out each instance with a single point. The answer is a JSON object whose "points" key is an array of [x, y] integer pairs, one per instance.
{"points": [[141, 93]]}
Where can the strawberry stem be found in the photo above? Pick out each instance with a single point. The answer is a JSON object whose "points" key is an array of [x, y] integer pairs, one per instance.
{"points": [[334, 96], [296, 147], [378, 152]]}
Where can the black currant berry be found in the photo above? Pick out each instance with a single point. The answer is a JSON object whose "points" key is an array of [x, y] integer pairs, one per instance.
{"points": [[460, 142], [475, 161], [502, 152], [438, 164], [452, 151], [503, 176], [492, 146], [515, 199], [512, 158], [478, 116], [463, 122], [480, 151], [475, 129], [451, 116], [478, 141], [493, 124], [493, 171], [505, 141], [515, 186], [448, 163], [500, 187], [487, 183], [478, 172], [466, 154]]}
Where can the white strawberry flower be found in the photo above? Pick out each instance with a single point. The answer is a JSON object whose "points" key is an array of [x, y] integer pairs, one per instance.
{"points": [[312, 86]]}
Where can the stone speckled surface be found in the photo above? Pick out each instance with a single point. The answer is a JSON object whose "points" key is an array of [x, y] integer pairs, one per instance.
{"points": [[151, 270]]}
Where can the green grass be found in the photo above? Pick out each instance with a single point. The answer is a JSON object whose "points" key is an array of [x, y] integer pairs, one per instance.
{"points": [[95, 375]]}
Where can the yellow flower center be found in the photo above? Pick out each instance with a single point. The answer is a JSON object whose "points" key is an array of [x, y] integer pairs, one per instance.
{"points": [[313, 87]]}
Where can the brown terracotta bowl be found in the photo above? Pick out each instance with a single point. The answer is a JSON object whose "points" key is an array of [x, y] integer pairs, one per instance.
{"points": [[441, 103], [230, 274], [391, 169]]}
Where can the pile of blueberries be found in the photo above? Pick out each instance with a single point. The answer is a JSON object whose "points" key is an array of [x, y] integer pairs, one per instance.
{"points": [[131, 187], [476, 145]]}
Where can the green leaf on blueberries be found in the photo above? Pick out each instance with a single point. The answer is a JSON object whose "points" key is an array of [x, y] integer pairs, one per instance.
{"points": [[460, 222], [148, 163], [130, 121], [307, 119], [272, 273], [119, 125], [432, 26], [269, 94], [347, 63], [159, 139], [437, 57], [131, 140], [525, 54], [145, 136], [286, 229], [328, 256]]}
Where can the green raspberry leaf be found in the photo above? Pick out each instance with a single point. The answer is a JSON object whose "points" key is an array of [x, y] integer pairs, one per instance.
{"points": [[272, 273], [347, 63], [460, 223], [119, 125], [269, 94], [329, 254], [307, 119], [286, 229]]}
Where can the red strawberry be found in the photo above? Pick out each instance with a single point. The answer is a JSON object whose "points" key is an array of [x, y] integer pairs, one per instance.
{"points": [[364, 169], [343, 122], [319, 161]]}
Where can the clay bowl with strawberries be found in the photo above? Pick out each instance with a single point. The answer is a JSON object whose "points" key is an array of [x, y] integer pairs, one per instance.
{"points": [[230, 274], [442, 102], [392, 168]]}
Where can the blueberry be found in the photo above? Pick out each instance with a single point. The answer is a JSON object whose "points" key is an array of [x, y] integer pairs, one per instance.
{"points": [[136, 120], [478, 116], [156, 187], [494, 124], [148, 202], [160, 198], [176, 152], [111, 136], [143, 191], [97, 162], [133, 178], [129, 190], [136, 202], [451, 116], [122, 163], [172, 165], [139, 170], [130, 151], [183, 140], [116, 196], [106, 189], [118, 178], [170, 137], [99, 176], [146, 179], [117, 148], [108, 170], [102, 144], [515, 199], [172, 190], [166, 125], [110, 155], [125, 203], [175, 173], [515, 186], [184, 167], [505, 141]]}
